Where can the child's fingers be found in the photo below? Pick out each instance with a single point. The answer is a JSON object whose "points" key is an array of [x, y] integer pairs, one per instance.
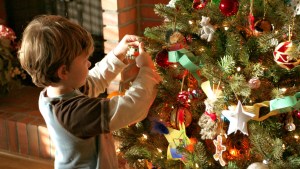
{"points": [[135, 43], [141, 47]]}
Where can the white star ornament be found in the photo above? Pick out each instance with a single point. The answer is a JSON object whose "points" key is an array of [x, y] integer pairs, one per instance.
{"points": [[238, 119]]}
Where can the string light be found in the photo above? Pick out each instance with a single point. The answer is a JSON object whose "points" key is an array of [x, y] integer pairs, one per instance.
{"points": [[283, 90], [296, 136], [159, 150], [238, 69], [145, 136], [234, 152]]}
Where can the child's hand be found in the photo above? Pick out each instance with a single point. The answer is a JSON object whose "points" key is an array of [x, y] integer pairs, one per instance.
{"points": [[121, 49], [144, 59]]}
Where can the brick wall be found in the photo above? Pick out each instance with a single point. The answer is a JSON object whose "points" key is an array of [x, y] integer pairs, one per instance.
{"points": [[126, 17]]}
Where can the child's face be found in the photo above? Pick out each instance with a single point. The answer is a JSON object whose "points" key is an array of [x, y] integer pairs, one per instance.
{"points": [[78, 70]]}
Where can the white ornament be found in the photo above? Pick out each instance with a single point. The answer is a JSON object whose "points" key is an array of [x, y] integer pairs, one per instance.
{"points": [[172, 3], [258, 165], [295, 5], [238, 119], [207, 29]]}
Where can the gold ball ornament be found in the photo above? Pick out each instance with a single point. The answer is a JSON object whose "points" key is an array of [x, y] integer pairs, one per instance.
{"points": [[178, 115], [262, 26]]}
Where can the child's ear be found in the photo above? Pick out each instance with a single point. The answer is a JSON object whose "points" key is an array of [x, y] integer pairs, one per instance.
{"points": [[62, 72]]}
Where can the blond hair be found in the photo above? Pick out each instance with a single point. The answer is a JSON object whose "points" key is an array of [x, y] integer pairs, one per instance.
{"points": [[48, 42]]}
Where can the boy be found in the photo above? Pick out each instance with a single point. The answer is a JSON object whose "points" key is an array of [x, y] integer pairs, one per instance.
{"points": [[55, 52]]}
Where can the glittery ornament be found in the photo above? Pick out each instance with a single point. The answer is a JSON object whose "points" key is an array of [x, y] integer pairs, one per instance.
{"points": [[183, 97], [282, 57], [199, 4], [180, 115], [162, 59], [254, 83], [290, 126], [229, 7]]}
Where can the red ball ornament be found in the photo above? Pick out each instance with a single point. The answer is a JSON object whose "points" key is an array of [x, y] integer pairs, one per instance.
{"points": [[282, 58], [199, 4], [162, 59], [298, 114], [229, 7]]}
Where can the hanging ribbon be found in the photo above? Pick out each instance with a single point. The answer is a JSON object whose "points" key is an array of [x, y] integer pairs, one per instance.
{"points": [[256, 109], [182, 56], [286, 103]]}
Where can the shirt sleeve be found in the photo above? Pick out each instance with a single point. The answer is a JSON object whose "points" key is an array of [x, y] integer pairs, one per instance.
{"points": [[134, 105], [101, 75], [83, 116]]}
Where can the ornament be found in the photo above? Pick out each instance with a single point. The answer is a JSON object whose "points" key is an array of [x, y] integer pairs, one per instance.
{"points": [[254, 83], [183, 97], [199, 4], [208, 126], [177, 37], [194, 94], [219, 150], [297, 113], [180, 115], [273, 42], [238, 119], [162, 59], [229, 7], [263, 26], [290, 126], [258, 165], [176, 138], [282, 57], [250, 16], [207, 29], [171, 4], [251, 21], [7, 33], [132, 52], [295, 6]]}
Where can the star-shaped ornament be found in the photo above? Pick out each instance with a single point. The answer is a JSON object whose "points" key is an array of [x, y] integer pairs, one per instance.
{"points": [[238, 119]]}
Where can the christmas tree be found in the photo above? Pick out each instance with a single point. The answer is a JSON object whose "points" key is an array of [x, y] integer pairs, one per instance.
{"points": [[230, 89]]}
